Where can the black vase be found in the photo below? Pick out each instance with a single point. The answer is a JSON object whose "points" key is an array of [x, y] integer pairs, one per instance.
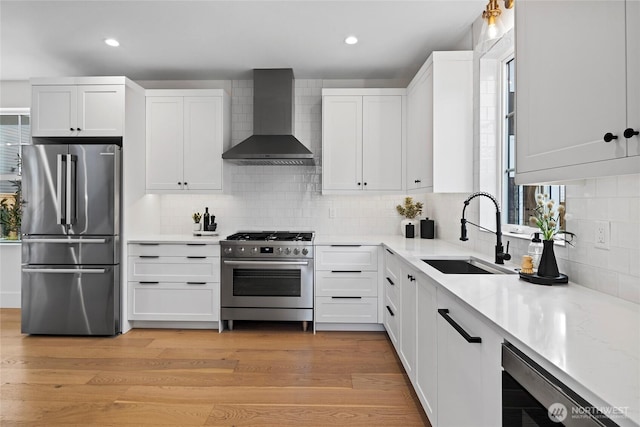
{"points": [[548, 266]]}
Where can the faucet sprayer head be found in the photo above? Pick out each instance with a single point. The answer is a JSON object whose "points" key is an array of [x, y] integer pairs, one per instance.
{"points": [[463, 230]]}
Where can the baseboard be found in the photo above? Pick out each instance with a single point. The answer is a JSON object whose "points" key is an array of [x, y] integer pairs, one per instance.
{"points": [[364, 327], [152, 324]]}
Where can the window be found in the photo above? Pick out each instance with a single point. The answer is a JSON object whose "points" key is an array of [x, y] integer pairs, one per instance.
{"points": [[15, 131], [518, 201]]}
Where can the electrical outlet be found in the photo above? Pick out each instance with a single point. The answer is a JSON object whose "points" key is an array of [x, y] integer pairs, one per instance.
{"points": [[332, 212], [603, 234]]}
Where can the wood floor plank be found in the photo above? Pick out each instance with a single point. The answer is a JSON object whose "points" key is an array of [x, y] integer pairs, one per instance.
{"points": [[270, 415], [258, 374]]}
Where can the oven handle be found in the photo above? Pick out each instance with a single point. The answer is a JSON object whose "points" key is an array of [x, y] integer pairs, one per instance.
{"points": [[266, 263]]}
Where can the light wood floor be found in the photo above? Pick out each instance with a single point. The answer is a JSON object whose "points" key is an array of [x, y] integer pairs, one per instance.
{"points": [[260, 374]]}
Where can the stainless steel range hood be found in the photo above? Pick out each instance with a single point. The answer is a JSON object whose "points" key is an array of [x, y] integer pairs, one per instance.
{"points": [[273, 142]]}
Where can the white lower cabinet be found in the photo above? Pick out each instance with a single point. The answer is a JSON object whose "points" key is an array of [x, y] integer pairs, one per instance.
{"points": [[408, 320], [469, 371], [174, 282], [346, 284], [426, 383]]}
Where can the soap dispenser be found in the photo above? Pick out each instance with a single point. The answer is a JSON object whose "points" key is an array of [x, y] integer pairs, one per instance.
{"points": [[535, 250]]}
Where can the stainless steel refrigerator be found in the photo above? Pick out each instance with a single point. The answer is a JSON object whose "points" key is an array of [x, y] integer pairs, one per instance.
{"points": [[70, 242]]}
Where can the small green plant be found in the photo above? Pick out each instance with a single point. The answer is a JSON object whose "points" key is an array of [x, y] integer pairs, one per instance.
{"points": [[11, 211], [196, 217], [410, 210]]}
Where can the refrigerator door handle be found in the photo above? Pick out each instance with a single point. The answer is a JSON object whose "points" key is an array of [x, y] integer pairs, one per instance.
{"points": [[71, 190], [60, 202], [66, 241], [65, 270]]}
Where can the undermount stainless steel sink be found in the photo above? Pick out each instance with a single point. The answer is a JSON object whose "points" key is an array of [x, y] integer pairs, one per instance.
{"points": [[466, 265]]}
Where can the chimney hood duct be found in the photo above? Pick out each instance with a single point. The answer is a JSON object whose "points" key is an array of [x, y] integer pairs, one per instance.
{"points": [[273, 142]]}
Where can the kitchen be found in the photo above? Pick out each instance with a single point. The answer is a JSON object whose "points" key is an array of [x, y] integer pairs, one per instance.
{"points": [[259, 198]]}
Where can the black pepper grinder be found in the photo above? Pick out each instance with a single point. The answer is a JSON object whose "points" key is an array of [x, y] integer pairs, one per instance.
{"points": [[207, 219]]}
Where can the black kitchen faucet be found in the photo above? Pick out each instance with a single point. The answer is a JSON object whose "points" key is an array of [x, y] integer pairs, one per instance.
{"points": [[501, 254]]}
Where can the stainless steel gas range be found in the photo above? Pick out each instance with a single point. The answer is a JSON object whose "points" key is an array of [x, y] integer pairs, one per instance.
{"points": [[267, 275]]}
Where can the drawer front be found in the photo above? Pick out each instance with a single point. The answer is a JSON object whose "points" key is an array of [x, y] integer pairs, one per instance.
{"points": [[173, 269], [174, 249], [166, 301], [346, 310], [392, 322], [392, 288], [362, 258], [347, 284]]}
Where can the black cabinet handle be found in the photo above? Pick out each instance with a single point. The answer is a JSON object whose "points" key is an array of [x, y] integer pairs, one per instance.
{"points": [[629, 132], [390, 282], [346, 271], [417, 181], [196, 283], [186, 183], [365, 183], [149, 256], [608, 137], [411, 278], [149, 283], [196, 257], [345, 246], [359, 183], [196, 244], [444, 312], [390, 311], [71, 129], [346, 297], [389, 251], [148, 244], [78, 129], [179, 183]]}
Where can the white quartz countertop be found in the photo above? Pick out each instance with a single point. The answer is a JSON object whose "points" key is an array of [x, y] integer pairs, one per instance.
{"points": [[587, 339], [176, 238]]}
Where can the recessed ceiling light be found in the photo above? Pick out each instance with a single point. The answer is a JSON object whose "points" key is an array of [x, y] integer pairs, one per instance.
{"points": [[351, 40], [112, 42]]}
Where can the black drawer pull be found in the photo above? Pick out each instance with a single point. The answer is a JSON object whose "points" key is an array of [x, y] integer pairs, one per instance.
{"points": [[346, 297], [444, 312], [346, 271], [196, 244], [149, 256], [149, 283], [345, 246], [196, 257], [196, 283], [390, 282], [148, 244], [388, 250], [390, 311]]}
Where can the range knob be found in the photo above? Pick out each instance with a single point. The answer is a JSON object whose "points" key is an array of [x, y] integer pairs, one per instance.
{"points": [[287, 251], [228, 250], [241, 250], [279, 250], [304, 251], [296, 251], [254, 250]]}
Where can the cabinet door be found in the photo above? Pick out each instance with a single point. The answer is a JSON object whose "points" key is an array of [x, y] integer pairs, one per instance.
{"points": [[426, 384], [341, 142], [382, 142], [408, 310], [570, 81], [419, 132], [203, 140], [165, 143], [633, 73], [100, 110], [170, 301], [469, 384], [53, 110]]}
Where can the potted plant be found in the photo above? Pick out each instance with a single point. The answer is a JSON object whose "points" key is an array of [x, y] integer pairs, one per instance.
{"points": [[410, 211], [547, 217], [196, 216], [11, 212]]}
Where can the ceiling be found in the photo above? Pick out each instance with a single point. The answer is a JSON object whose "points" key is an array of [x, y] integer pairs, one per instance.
{"points": [[213, 39]]}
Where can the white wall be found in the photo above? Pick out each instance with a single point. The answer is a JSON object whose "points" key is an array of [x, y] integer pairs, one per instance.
{"points": [[283, 197], [15, 94]]}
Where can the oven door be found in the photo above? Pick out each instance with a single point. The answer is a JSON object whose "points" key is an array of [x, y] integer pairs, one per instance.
{"points": [[252, 283]]}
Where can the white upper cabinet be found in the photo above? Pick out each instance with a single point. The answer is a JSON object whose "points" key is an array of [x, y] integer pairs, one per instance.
{"points": [[440, 124], [577, 89], [362, 140], [77, 110], [187, 131]]}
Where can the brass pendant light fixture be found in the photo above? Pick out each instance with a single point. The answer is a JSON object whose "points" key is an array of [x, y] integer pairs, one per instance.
{"points": [[492, 28]]}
